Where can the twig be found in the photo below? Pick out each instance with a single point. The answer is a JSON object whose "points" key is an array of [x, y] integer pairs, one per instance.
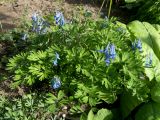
{"points": [[101, 7]]}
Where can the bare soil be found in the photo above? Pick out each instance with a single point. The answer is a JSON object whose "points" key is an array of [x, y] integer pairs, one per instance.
{"points": [[12, 12]]}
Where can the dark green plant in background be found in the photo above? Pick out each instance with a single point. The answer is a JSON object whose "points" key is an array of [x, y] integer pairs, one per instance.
{"points": [[150, 12]]}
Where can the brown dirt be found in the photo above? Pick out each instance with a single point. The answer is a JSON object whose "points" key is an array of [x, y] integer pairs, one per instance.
{"points": [[12, 12]]}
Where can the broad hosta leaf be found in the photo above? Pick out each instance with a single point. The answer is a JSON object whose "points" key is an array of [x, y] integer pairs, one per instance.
{"points": [[90, 115], [147, 33], [102, 114], [157, 27], [149, 111], [128, 103], [155, 37], [155, 93], [150, 44]]}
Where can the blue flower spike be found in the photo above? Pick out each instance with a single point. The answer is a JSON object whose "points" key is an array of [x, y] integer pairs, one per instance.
{"points": [[35, 17], [148, 62], [139, 45], [57, 56], [112, 51], [55, 61], [39, 25], [59, 18], [101, 51], [56, 82], [133, 45], [107, 61]]}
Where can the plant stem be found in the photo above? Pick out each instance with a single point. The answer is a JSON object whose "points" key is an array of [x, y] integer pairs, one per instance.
{"points": [[110, 7], [101, 6]]}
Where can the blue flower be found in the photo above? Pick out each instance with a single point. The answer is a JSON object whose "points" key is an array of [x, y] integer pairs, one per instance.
{"points": [[39, 25], [57, 56], [35, 17], [107, 52], [134, 45], [59, 18], [55, 61], [148, 62], [112, 51], [101, 51], [24, 36], [139, 45], [107, 61], [56, 83]]}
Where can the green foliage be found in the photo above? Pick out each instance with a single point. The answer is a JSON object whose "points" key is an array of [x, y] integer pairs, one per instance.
{"points": [[149, 111], [56, 102], [87, 82], [102, 114], [133, 4], [81, 67], [29, 107], [128, 103], [150, 41], [155, 93]]}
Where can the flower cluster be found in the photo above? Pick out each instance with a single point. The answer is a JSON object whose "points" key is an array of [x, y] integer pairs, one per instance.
{"points": [[55, 61], [137, 44], [148, 62], [38, 24], [56, 83], [110, 53], [59, 18]]}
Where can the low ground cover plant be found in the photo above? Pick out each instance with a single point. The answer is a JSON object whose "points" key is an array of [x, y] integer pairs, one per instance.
{"points": [[87, 69]]}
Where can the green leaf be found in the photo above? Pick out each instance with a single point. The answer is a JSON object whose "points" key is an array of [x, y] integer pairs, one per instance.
{"points": [[90, 115], [155, 37], [103, 114], [157, 27], [85, 99], [108, 97], [51, 99], [155, 93], [60, 95], [149, 111], [150, 44], [128, 103], [148, 34]]}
